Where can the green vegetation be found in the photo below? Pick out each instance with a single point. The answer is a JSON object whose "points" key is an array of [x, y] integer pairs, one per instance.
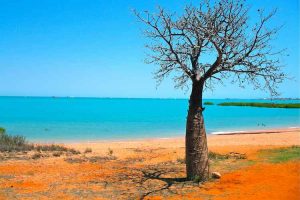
{"points": [[208, 103], [233, 155], [181, 160], [36, 156], [196, 179], [55, 148], [2, 130], [13, 143], [88, 150], [57, 154], [17, 143], [52, 147], [265, 105], [281, 154], [217, 156], [110, 152]]}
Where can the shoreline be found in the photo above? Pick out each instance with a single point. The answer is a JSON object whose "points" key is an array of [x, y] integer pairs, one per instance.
{"points": [[110, 168], [223, 143], [277, 130], [135, 140]]}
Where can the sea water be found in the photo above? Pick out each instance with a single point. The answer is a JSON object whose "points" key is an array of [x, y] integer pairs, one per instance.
{"points": [[51, 119]]}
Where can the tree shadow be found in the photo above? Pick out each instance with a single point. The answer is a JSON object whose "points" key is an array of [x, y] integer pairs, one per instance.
{"points": [[162, 174], [169, 182]]}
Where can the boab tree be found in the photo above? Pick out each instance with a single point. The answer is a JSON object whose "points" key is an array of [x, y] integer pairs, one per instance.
{"points": [[206, 45]]}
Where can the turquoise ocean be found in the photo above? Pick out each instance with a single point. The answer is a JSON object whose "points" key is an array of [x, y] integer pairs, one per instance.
{"points": [[49, 119]]}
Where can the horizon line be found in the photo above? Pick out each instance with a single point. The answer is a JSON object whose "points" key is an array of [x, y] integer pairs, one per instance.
{"points": [[98, 97]]}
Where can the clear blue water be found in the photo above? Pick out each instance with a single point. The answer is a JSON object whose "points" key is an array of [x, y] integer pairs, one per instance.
{"points": [[61, 119]]}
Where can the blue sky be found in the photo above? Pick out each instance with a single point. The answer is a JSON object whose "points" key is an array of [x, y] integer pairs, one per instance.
{"points": [[95, 48]]}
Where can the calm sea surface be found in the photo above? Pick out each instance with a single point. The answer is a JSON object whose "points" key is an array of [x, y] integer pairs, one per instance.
{"points": [[73, 119]]}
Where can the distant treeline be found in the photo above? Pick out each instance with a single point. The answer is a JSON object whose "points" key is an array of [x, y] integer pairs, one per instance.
{"points": [[257, 104], [208, 103], [265, 105]]}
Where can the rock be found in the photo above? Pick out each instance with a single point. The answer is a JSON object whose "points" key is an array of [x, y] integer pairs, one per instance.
{"points": [[216, 175]]}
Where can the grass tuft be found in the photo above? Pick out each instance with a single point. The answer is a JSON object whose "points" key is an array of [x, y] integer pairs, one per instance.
{"points": [[196, 179], [181, 160], [110, 152], [217, 156], [88, 150], [281, 154], [2, 130], [36, 156], [11, 143], [57, 154], [17, 143], [56, 148]]}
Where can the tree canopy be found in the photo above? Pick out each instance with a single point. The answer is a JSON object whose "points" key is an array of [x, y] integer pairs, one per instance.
{"points": [[221, 29]]}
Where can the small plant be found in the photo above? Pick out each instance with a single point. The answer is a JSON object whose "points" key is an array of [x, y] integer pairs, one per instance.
{"points": [[217, 156], [57, 154], [88, 150], [181, 160], [56, 148], [17, 143], [110, 152], [237, 155], [11, 143], [95, 159], [208, 103], [196, 179], [2, 130], [52, 147], [36, 156], [73, 151], [75, 160]]}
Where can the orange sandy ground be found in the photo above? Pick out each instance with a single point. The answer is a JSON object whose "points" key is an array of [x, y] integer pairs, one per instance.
{"points": [[124, 178]]}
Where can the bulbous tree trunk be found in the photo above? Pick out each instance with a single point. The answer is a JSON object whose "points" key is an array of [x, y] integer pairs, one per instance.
{"points": [[197, 167]]}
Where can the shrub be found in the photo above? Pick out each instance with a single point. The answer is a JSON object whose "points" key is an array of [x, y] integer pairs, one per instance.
{"points": [[110, 152], [73, 151], [94, 159], [18, 143], [181, 160], [231, 155], [208, 103], [52, 147], [57, 154], [2, 130], [211, 155], [196, 179], [36, 156], [56, 148], [217, 156], [88, 150], [13, 143], [75, 160]]}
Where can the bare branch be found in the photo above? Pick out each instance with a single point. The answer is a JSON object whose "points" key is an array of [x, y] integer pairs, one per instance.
{"points": [[244, 53]]}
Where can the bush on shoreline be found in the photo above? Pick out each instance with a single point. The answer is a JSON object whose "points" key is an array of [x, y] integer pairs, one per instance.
{"points": [[265, 105], [13, 143], [208, 103], [2, 130], [17, 143]]}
